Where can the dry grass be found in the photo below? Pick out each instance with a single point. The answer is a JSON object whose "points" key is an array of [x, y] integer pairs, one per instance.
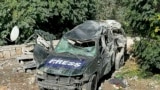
{"points": [[136, 77]]}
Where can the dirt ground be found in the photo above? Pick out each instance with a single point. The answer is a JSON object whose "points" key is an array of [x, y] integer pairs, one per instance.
{"points": [[13, 77], [133, 81]]}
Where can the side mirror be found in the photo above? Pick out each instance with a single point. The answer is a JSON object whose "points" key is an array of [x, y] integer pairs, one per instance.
{"points": [[14, 33]]}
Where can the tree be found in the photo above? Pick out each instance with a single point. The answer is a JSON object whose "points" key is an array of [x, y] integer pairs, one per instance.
{"points": [[54, 16], [141, 14], [113, 9], [144, 19]]}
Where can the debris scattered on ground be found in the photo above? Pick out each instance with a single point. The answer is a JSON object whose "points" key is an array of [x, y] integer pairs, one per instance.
{"points": [[118, 82], [4, 62], [13, 78]]}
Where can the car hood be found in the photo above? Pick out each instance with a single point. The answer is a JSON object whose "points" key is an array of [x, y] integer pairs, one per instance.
{"points": [[64, 65]]}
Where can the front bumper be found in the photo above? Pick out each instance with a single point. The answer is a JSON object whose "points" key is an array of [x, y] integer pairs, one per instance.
{"points": [[49, 85], [60, 82]]}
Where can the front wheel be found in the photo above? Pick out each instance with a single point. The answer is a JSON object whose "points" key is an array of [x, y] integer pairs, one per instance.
{"points": [[41, 88], [92, 84]]}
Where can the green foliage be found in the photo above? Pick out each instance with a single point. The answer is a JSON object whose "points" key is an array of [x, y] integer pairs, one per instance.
{"points": [[155, 26], [113, 9], [148, 53], [109, 9], [67, 13], [144, 19], [23, 14], [140, 14], [54, 16]]}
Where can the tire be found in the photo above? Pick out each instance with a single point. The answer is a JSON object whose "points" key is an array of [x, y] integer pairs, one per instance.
{"points": [[119, 60], [40, 88], [92, 84]]}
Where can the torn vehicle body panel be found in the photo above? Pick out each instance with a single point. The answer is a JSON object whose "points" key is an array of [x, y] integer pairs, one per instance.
{"points": [[82, 56], [86, 31]]}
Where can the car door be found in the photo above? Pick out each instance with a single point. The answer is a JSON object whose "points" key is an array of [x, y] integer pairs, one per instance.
{"points": [[105, 55], [120, 44]]}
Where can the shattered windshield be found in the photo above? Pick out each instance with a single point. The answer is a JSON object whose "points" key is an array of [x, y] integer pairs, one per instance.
{"points": [[76, 47]]}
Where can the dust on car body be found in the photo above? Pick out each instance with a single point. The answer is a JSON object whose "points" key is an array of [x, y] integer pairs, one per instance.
{"points": [[83, 55]]}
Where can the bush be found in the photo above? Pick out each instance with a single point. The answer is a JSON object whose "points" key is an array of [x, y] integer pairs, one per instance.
{"points": [[148, 54], [21, 13], [54, 16], [144, 19], [140, 14], [113, 9]]}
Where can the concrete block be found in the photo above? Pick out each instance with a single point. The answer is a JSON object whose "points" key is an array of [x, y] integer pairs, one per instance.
{"points": [[6, 54], [18, 50], [13, 53], [1, 54]]}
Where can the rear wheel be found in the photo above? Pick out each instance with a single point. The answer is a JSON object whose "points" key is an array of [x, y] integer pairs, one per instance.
{"points": [[119, 61], [92, 84], [44, 89]]}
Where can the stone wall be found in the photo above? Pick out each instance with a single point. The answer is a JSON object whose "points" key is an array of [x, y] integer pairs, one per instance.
{"points": [[12, 51]]}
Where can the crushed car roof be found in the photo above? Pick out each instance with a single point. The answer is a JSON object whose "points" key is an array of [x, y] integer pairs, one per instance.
{"points": [[91, 29], [84, 31]]}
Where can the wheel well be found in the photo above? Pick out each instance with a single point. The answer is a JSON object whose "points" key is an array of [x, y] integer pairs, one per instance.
{"points": [[92, 75]]}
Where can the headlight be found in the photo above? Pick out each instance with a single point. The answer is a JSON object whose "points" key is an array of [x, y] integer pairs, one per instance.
{"points": [[40, 72]]}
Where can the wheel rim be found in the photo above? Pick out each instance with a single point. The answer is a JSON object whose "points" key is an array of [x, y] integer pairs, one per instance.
{"points": [[94, 83], [91, 85], [121, 63], [122, 58]]}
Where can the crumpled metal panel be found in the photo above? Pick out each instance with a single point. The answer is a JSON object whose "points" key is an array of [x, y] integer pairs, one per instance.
{"points": [[84, 31], [91, 29]]}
